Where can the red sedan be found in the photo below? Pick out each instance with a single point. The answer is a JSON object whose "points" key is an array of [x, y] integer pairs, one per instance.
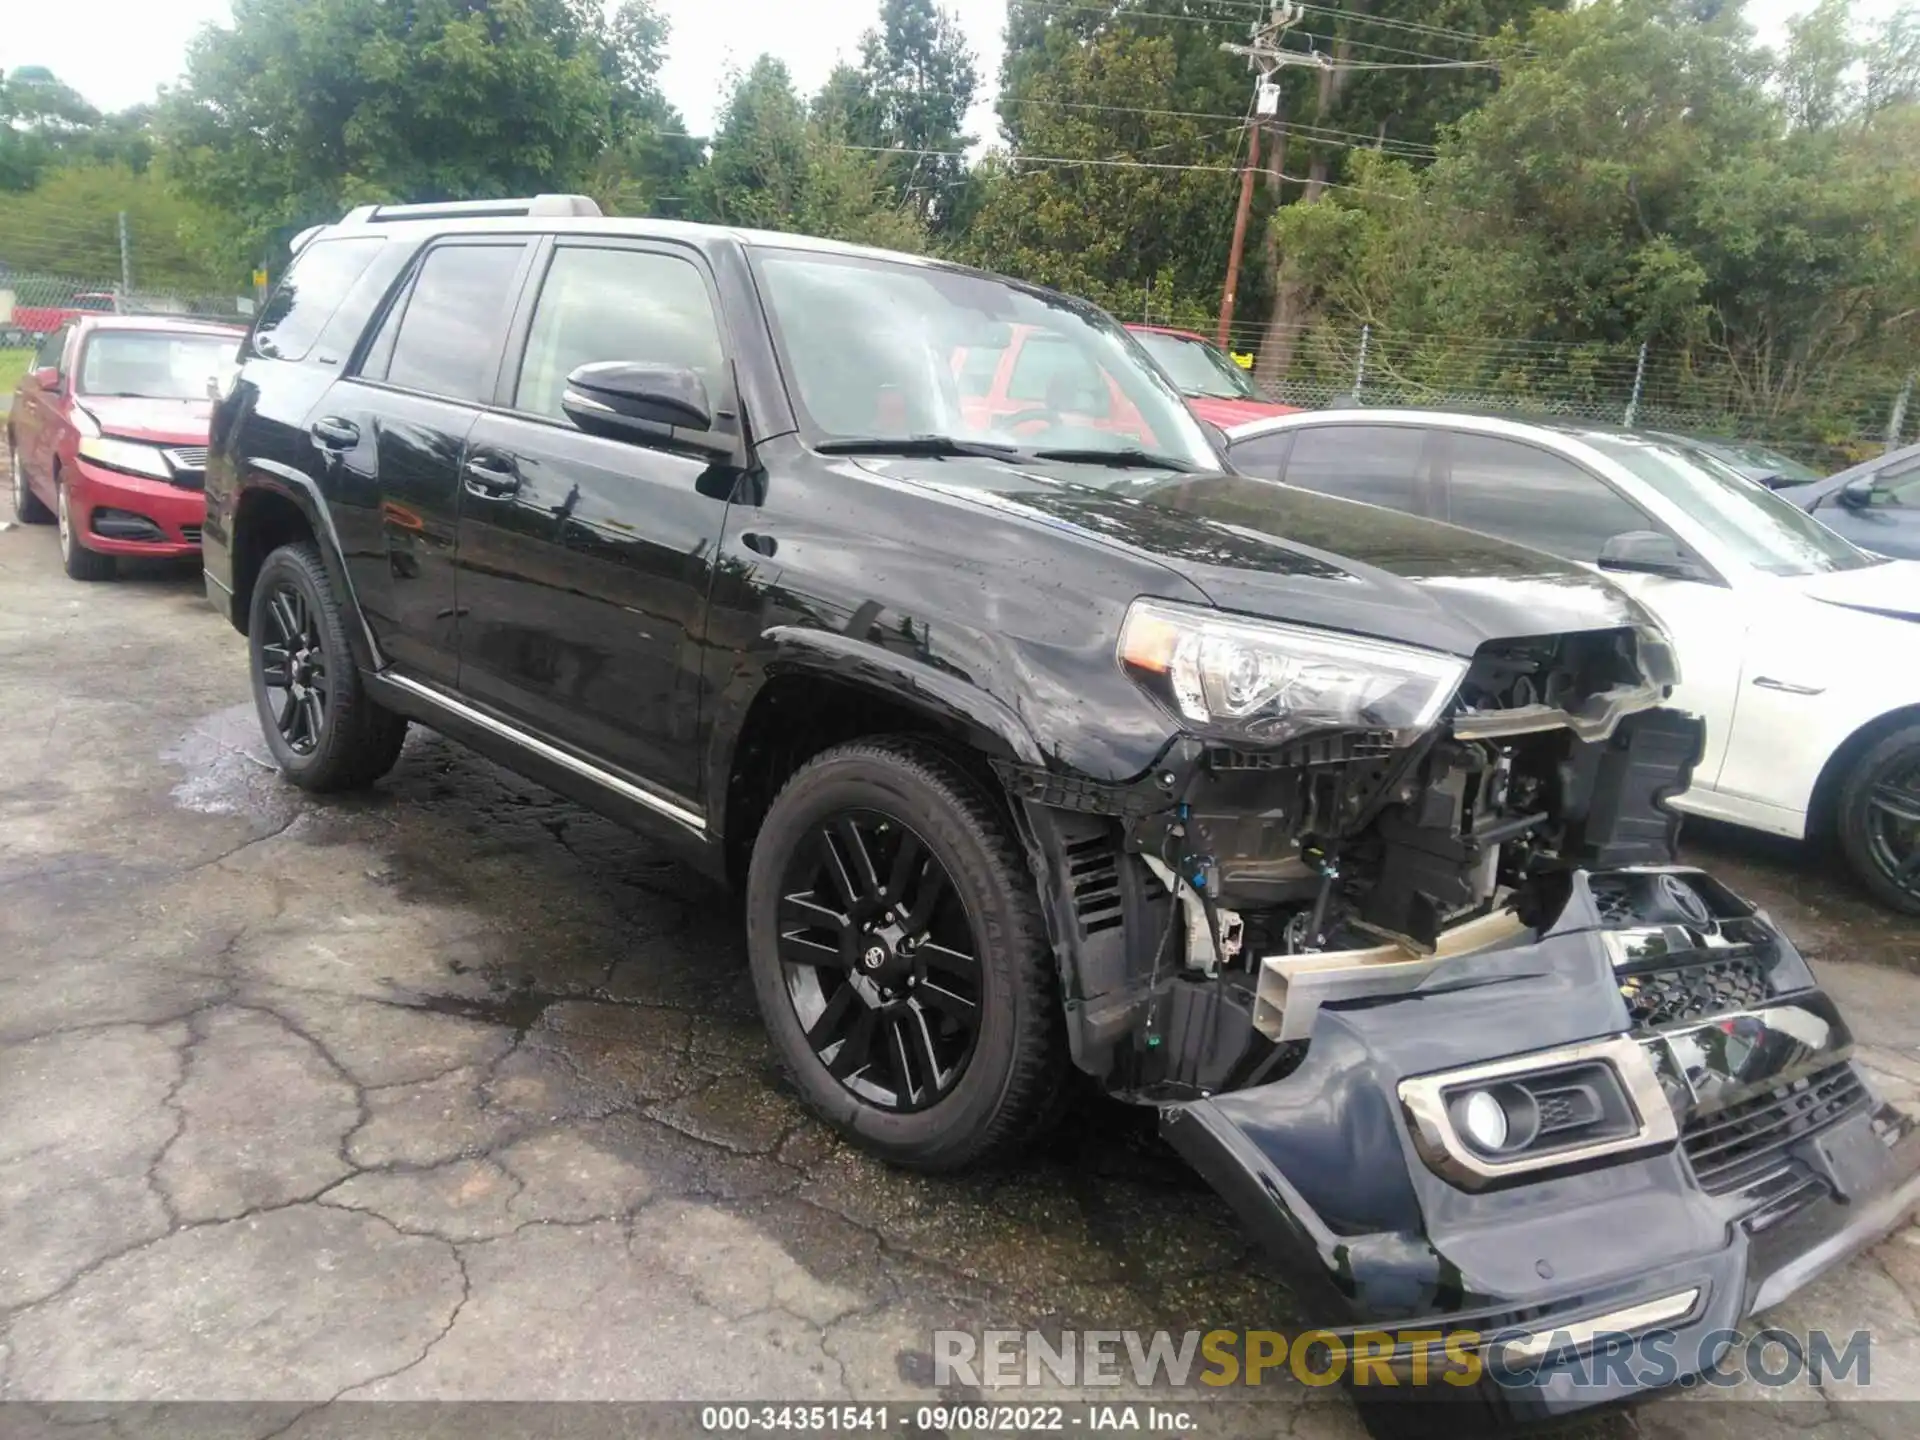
{"points": [[1215, 388], [108, 434]]}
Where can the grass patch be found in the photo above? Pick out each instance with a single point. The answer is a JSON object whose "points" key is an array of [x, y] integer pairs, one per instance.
{"points": [[13, 364]]}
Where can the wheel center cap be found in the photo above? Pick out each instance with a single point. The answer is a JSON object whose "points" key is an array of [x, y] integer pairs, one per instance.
{"points": [[875, 957]]}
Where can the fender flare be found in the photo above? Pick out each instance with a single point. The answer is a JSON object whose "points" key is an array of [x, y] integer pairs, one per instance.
{"points": [[268, 477], [939, 694]]}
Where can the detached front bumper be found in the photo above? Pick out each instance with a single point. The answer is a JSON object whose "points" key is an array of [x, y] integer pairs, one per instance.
{"points": [[1775, 1163], [116, 513]]}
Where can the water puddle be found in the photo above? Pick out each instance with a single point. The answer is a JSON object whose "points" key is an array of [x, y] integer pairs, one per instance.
{"points": [[226, 770]]}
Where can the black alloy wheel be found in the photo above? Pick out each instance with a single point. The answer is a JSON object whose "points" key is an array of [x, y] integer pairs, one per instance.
{"points": [[293, 668], [1879, 819], [325, 731], [900, 958], [881, 960], [1893, 822]]}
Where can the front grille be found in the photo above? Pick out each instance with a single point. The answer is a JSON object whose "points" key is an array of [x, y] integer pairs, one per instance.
{"points": [[1613, 898], [190, 533], [1746, 1143], [1094, 869], [1657, 998]]}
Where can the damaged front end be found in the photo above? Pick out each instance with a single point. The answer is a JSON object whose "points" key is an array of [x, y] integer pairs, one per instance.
{"points": [[1430, 1003]]}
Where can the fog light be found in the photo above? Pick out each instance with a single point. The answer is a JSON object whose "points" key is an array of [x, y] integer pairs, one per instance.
{"points": [[1484, 1119], [1499, 1120]]}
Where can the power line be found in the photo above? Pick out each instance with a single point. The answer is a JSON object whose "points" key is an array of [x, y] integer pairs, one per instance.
{"points": [[1440, 62]]}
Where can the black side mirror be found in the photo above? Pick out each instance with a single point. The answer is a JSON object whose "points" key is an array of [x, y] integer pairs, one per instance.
{"points": [[1648, 552], [631, 400], [1857, 494]]}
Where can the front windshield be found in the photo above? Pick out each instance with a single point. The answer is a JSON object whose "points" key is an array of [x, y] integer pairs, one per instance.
{"points": [[153, 364], [1196, 368], [880, 351], [1764, 530]]}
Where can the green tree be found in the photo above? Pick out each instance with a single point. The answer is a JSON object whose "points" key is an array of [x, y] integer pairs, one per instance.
{"points": [[306, 106], [42, 122], [775, 166], [758, 164], [915, 84], [1149, 207], [1646, 175]]}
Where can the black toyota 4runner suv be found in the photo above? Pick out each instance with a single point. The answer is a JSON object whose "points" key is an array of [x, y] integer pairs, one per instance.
{"points": [[912, 599]]}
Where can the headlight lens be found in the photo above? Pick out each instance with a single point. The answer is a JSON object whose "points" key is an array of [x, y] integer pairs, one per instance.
{"points": [[1267, 682], [126, 455]]}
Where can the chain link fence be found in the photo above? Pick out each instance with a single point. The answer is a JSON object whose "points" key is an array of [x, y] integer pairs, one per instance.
{"points": [[1831, 418], [33, 304]]}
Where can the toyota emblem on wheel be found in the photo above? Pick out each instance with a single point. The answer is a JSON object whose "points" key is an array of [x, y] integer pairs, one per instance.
{"points": [[874, 958]]}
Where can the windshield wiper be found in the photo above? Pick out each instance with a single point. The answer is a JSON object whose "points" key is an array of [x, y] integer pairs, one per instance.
{"points": [[1118, 459], [937, 446]]}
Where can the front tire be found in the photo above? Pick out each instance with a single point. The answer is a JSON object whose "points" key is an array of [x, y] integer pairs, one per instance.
{"points": [[1879, 819], [900, 959], [325, 731], [28, 508], [79, 562]]}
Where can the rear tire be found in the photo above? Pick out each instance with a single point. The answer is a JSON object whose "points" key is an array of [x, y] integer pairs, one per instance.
{"points": [[1879, 819], [80, 563], [962, 1044], [28, 508], [325, 731]]}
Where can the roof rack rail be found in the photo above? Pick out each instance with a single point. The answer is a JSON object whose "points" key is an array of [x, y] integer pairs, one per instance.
{"points": [[577, 205]]}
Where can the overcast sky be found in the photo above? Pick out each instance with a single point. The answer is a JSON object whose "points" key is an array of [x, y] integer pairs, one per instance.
{"points": [[118, 52]]}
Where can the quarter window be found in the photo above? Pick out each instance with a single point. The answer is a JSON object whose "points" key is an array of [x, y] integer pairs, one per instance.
{"points": [[1534, 498], [633, 305], [309, 293], [1263, 455]]}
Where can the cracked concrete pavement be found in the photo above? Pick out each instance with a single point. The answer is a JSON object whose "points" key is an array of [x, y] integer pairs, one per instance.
{"points": [[456, 1091]]}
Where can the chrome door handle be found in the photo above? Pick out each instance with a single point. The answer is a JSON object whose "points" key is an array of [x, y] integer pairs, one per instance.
{"points": [[1787, 687]]}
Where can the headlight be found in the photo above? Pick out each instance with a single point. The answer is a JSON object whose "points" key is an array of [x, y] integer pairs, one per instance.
{"points": [[1266, 682], [126, 455]]}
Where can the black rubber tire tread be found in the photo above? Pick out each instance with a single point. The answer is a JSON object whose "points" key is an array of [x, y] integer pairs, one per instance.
{"points": [[28, 508], [361, 738], [988, 1117], [79, 562], [1851, 817]]}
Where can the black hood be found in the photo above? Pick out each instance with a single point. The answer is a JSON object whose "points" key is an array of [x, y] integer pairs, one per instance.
{"points": [[1262, 548]]}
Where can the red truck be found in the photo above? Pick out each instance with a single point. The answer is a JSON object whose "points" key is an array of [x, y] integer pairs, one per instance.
{"points": [[22, 325]]}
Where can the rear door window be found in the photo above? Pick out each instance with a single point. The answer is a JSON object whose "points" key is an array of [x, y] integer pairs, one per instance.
{"points": [[443, 337], [309, 293], [1380, 464]]}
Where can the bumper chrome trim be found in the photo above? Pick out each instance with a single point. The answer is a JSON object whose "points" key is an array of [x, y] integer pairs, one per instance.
{"points": [[1423, 1099], [1578, 1335]]}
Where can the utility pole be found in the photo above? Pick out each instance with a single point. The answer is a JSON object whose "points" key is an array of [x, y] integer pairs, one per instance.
{"points": [[1264, 55], [126, 260]]}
